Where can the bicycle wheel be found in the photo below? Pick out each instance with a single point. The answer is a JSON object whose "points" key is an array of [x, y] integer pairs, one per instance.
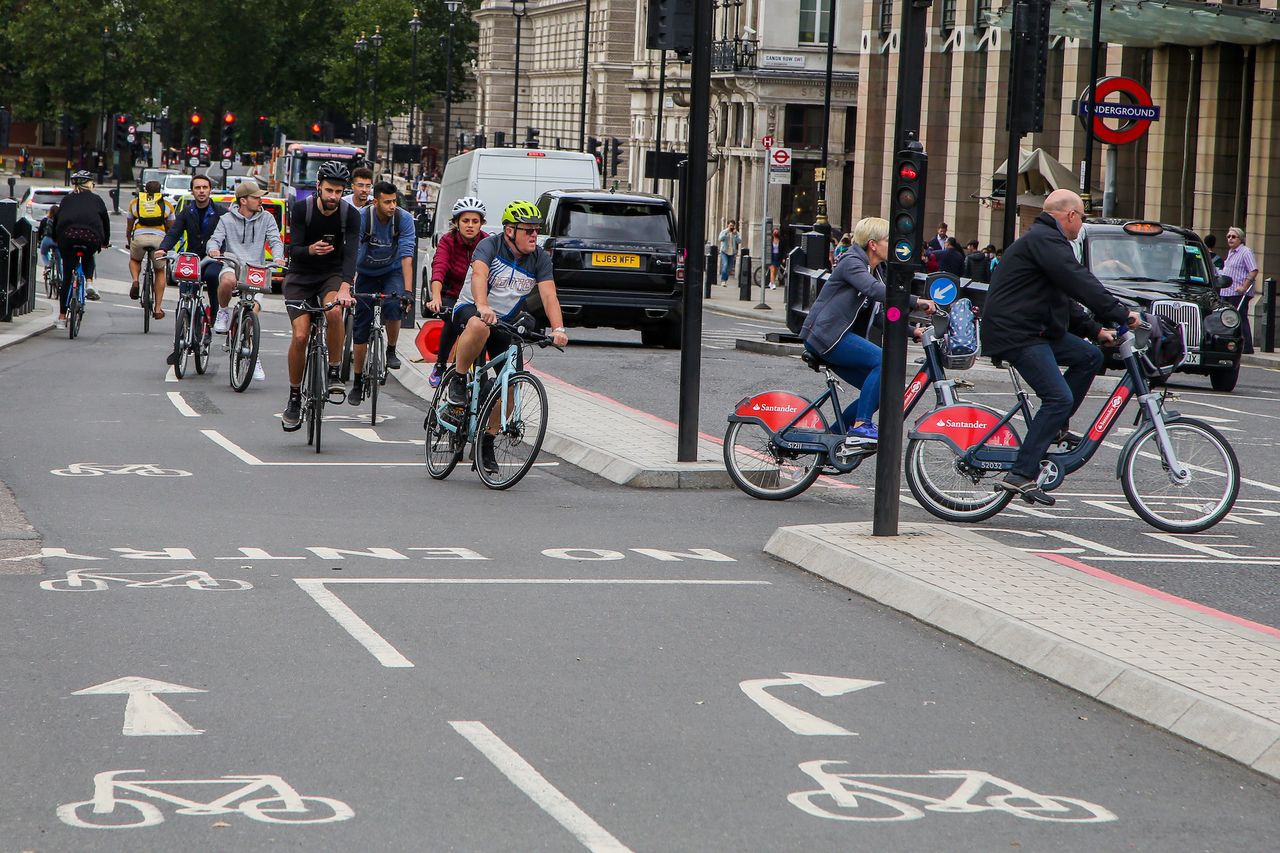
{"points": [[75, 310], [348, 341], [373, 370], [946, 488], [147, 295], [50, 287], [244, 349], [122, 811], [862, 806], [181, 340], [762, 470], [522, 427], [200, 340], [319, 391], [444, 446], [314, 810], [1193, 503]]}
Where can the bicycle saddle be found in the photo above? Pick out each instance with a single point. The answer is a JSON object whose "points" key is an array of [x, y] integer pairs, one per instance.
{"points": [[815, 362]]}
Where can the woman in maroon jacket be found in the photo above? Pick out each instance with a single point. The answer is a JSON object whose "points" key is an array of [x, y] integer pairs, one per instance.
{"points": [[449, 270]]}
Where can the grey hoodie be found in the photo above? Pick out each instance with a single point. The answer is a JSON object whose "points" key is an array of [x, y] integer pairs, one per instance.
{"points": [[247, 239]]}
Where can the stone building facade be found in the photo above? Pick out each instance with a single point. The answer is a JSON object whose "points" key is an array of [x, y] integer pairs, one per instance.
{"points": [[1213, 68]]}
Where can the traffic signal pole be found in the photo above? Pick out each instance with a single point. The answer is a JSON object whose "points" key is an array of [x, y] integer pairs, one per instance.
{"points": [[905, 244]]}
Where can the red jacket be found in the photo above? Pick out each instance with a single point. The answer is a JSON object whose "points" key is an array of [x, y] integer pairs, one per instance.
{"points": [[452, 261]]}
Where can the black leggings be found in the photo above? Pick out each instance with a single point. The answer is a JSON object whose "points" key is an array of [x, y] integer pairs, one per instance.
{"points": [[448, 334], [67, 249]]}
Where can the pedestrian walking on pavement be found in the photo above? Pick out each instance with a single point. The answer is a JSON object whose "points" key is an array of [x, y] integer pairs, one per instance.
{"points": [[1242, 267], [976, 264], [730, 240], [775, 258]]}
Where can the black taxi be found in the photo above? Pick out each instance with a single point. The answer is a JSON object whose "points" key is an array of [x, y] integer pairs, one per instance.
{"points": [[1166, 270]]}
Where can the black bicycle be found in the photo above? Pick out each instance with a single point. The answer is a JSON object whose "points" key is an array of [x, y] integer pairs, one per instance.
{"points": [[244, 334], [193, 329], [147, 287], [315, 375], [53, 275], [375, 360]]}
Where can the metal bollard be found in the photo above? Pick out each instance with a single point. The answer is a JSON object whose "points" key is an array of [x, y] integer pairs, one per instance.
{"points": [[710, 270], [1269, 315], [12, 181], [744, 276], [815, 249]]}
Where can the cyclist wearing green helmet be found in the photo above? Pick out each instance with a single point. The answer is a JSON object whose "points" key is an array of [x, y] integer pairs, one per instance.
{"points": [[504, 270]]}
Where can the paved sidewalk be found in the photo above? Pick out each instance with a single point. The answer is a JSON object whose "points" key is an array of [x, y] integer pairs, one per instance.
{"points": [[725, 301], [1211, 678], [27, 325]]}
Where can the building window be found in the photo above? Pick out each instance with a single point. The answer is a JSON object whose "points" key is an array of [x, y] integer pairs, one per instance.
{"points": [[886, 18], [850, 129], [803, 126], [981, 15], [948, 22], [814, 17]]}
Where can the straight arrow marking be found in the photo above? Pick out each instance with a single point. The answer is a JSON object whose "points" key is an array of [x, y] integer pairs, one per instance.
{"points": [[798, 721], [144, 713]]}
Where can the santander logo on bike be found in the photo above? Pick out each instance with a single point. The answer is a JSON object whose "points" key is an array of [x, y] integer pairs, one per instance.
{"points": [[1103, 423], [758, 407]]}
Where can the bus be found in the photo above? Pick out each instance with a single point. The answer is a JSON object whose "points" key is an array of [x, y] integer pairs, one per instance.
{"points": [[294, 165]]}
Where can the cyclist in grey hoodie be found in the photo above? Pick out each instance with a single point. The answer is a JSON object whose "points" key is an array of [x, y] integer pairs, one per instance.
{"points": [[244, 232]]}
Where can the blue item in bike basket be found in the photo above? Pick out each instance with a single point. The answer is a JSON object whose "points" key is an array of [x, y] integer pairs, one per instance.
{"points": [[960, 345]]}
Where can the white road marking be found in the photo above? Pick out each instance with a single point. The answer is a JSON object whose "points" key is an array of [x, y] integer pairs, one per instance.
{"points": [[144, 714], [371, 435], [249, 459], [180, 404], [387, 654], [797, 721], [536, 787], [171, 376], [231, 447]]}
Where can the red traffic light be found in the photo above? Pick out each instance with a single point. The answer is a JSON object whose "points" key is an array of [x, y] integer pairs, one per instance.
{"points": [[120, 119], [262, 118], [195, 118], [229, 118], [907, 171], [315, 127]]}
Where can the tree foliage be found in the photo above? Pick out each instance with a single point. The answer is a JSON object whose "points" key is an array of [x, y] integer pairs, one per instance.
{"points": [[290, 60]]}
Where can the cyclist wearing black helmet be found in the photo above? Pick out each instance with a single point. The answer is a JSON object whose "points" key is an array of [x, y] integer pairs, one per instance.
{"points": [[82, 220], [504, 270], [322, 266]]}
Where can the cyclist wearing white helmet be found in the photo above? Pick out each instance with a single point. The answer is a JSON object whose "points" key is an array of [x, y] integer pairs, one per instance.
{"points": [[449, 268]]}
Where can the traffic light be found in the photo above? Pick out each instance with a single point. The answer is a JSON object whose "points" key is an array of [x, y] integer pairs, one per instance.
{"points": [[670, 25], [615, 156], [260, 132], [531, 137], [228, 131], [593, 148], [906, 209], [1031, 61], [316, 130], [499, 138], [193, 132], [123, 128], [478, 141]]}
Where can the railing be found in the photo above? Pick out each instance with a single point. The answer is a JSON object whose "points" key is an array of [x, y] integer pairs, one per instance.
{"points": [[735, 54], [19, 249]]}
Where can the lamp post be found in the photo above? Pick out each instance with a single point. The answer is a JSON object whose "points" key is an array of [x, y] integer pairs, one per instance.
{"points": [[518, 10], [820, 219], [375, 41], [360, 46], [106, 38], [415, 24], [452, 6], [586, 47]]}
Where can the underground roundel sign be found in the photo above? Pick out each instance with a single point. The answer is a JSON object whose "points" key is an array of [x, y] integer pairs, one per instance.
{"points": [[1134, 113]]}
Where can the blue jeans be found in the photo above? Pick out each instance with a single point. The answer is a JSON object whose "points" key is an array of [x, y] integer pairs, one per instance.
{"points": [[47, 249], [726, 266], [1060, 395], [857, 361]]}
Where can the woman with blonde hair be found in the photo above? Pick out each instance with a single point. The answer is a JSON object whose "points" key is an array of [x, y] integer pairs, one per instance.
{"points": [[843, 314]]}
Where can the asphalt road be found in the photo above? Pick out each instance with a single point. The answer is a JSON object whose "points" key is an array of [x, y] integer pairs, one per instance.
{"points": [[391, 663]]}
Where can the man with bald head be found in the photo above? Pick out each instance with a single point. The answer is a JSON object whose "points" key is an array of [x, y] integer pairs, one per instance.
{"points": [[1033, 320]]}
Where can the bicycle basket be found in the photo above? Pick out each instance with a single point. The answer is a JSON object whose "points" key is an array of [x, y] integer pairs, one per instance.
{"points": [[187, 267], [959, 345], [1165, 348]]}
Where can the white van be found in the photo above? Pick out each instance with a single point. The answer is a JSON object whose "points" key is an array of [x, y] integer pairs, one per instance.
{"points": [[499, 176]]}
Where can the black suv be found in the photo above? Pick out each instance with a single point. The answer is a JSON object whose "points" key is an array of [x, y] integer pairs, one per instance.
{"points": [[616, 261], [1166, 270]]}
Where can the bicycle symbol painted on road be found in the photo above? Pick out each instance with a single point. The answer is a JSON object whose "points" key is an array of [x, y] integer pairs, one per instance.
{"points": [[91, 580], [262, 797], [868, 797], [95, 469]]}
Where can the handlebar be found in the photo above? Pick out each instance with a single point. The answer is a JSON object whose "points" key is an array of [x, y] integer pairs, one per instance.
{"points": [[304, 305]]}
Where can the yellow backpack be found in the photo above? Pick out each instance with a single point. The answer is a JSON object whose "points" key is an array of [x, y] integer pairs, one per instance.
{"points": [[153, 210]]}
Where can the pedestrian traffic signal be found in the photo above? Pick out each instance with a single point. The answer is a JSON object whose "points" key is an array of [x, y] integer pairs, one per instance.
{"points": [[499, 138], [531, 137], [615, 156], [228, 131], [670, 25], [906, 207], [193, 131]]}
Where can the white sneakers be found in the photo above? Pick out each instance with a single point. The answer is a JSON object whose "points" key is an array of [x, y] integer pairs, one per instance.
{"points": [[259, 375], [222, 322]]}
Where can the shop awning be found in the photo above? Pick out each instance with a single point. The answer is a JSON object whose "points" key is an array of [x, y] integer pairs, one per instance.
{"points": [[1039, 174], [1150, 23]]}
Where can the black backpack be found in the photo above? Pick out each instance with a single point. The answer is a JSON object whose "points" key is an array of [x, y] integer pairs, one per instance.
{"points": [[1166, 347]]}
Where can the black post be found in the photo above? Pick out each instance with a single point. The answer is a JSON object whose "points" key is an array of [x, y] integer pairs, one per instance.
{"points": [[709, 278], [821, 222], [695, 217], [106, 36], [662, 95], [1269, 314], [586, 47], [1095, 50], [518, 10], [744, 276], [1018, 35], [893, 369], [415, 24], [376, 41], [448, 85]]}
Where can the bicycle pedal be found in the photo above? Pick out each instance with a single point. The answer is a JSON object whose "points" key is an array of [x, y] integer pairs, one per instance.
{"points": [[965, 384], [337, 397]]}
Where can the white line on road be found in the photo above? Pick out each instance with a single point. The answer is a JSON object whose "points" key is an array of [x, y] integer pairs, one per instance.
{"points": [[180, 404], [387, 654], [249, 459], [231, 447], [536, 787], [1258, 483], [171, 376]]}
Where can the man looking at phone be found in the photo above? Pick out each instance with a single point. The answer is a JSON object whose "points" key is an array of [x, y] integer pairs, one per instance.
{"points": [[322, 265]]}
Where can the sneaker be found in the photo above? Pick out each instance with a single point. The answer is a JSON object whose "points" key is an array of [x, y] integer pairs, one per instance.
{"points": [[1068, 439], [1027, 489], [133, 291], [222, 322], [171, 358], [292, 418], [259, 375], [393, 361], [487, 460], [863, 433], [456, 393], [335, 379], [437, 373], [59, 323], [356, 395], [92, 293]]}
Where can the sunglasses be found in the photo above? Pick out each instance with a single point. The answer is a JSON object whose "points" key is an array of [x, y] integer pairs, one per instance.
{"points": [[529, 230]]}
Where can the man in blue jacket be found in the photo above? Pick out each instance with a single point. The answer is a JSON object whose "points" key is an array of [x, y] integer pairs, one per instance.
{"points": [[1033, 319], [384, 264], [196, 222]]}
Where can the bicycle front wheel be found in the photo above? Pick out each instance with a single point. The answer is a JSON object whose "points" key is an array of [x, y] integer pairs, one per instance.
{"points": [[181, 341], [949, 489], [200, 340], [75, 311], [348, 342], [374, 358], [319, 392], [762, 470], [1181, 504], [147, 295], [522, 426], [244, 349]]}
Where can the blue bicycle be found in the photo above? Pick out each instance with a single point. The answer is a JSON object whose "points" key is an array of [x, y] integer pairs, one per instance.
{"points": [[504, 417], [76, 299]]}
